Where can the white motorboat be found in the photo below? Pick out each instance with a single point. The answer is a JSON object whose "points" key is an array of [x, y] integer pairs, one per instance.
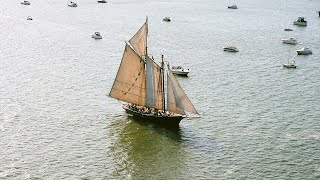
{"points": [[102, 1], [233, 7], [167, 19], [304, 51], [230, 49], [300, 22], [96, 35], [29, 18], [178, 70], [25, 3], [290, 40], [72, 4]]}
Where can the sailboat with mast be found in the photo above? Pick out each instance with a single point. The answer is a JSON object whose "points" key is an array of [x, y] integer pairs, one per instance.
{"points": [[140, 83]]}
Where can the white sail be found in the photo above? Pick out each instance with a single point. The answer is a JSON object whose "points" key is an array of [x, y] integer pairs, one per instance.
{"points": [[130, 82], [177, 100], [154, 84], [139, 40]]}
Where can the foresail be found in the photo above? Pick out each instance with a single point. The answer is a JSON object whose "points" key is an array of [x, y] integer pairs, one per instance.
{"points": [[139, 40], [130, 82], [177, 100], [154, 84]]}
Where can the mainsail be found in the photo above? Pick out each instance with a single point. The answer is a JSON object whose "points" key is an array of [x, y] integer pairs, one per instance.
{"points": [[154, 84], [177, 100], [130, 82]]}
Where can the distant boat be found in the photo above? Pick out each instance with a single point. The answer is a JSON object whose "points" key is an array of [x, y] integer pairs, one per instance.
{"points": [[102, 1], [304, 51], [179, 70], [233, 7], [25, 3], [290, 40], [319, 13], [300, 22], [167, 19], [96, 35], [289, 65], [287, 29], [72, 4], [29, 18], [230, 49], [140, 83]]}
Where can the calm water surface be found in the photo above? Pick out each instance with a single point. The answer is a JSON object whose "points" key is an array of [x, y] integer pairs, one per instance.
{"points": [[258, 120]]}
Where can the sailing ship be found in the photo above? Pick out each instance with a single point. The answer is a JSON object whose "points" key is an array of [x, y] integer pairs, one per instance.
{"points": [[140, 84]]}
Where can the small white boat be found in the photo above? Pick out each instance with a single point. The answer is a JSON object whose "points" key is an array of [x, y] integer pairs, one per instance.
{"points": [[289, 65], [178, 70], [300, 22], [230, 49], [96, 35], [29, 18], [233, 7], [102, 1], [167, 19], [25, 3], [72, 4], [304, 51], [288, 29], [290, 40]]}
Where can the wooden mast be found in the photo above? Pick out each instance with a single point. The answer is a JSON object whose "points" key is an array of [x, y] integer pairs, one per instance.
{"points": [[163, 94]]}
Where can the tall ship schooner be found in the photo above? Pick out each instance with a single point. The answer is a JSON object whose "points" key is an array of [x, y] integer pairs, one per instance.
{"points": [[140, 83]]}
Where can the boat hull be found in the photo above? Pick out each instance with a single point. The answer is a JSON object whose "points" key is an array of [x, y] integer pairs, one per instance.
{"points": [[233, 7], [180, 73], [96, 37], [289, 42], [230, 50], [289, 66], [170, 121], [300, 23], [304, 52]]}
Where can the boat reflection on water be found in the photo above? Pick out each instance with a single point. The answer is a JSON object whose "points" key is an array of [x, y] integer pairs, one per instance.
{"points": [[143, 149]]}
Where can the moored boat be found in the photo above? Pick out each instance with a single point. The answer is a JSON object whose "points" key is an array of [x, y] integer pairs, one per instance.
{"points": [[290, 40], [179, 70], [25, 3], [230, 49], [140, 83], [304, 51], [96, 35], [289, 65], [233, 7], [167, 19], [102, 1], [300, 21], [72, 4]]}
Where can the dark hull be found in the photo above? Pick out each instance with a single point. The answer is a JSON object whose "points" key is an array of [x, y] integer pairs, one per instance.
{"points": [[170, 121]]}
